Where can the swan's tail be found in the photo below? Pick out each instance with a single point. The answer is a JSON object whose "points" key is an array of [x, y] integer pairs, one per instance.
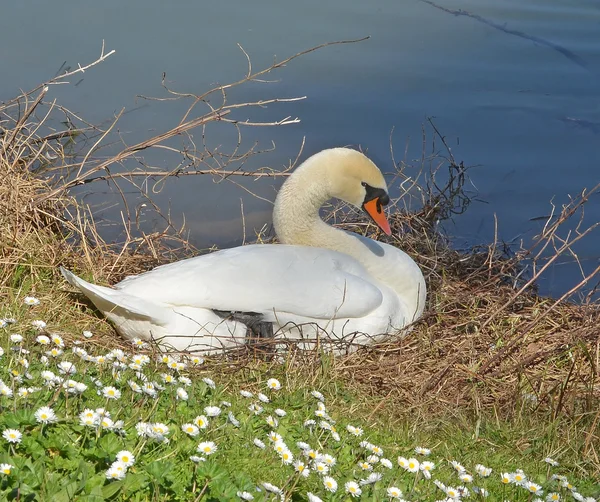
{"points": [[112, 301]]}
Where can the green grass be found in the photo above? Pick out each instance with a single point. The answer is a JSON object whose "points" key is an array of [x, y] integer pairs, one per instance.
{"points": [[66, 460]]}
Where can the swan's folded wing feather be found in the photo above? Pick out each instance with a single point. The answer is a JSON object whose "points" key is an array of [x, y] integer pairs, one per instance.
{"points": [[306, 281]]}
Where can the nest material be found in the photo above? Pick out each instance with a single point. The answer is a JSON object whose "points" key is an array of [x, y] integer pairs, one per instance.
{"points": [[478, 346]]}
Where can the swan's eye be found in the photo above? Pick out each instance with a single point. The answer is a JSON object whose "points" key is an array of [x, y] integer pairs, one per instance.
{"points": [[363, 184]]}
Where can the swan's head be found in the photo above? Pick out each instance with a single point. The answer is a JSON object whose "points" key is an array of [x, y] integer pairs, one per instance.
{"points": [[355, 179]]}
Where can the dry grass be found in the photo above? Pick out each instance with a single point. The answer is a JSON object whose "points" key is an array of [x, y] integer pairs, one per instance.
{"points": [[486, 344]]}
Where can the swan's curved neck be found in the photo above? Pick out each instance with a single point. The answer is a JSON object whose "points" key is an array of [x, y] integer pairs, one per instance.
{"points": [[297, 221]]}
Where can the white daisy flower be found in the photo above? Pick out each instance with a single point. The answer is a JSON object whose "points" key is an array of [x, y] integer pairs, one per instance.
{"points": [[255, 408], [89, 418], [280, 446], [457, 467], [313, 498], [272, 422], [551, 461], [134, 386], [38, 324], [54, 352], [126, 457], [87, 334], [185, 381], [330, 484], [234, 421], [245, 393], [12, 435], [387, 463], [533, 487], [45, 415], [263, 398], [16, 338], [373, 459], [403, 462], [209, 382], [309, 423], [167, 378], [321, 467], [196, 360], [115, 473], [58, 341], [111, 392], [31, 301], [5, 469], [143, 429], [413, 465], [419, 450], [519, 477], [506, 478], [66, 368], [355, 431], [274, 437], [287, 457], [245, 495], [190, 429], [302, 445], [42, 340], [426, 468], [318, 395], [301, 468], [465, 478], [106, 423], [353, 489], [371, 479], [149, 388], [279, 412], [139, 343], [483, 471], [365, 466], [182, 394], [159, 430], [207, 447], [201, 421], [553, 497], [394, 492], [272, 488], [273, 384], [257, 442], [212, 411], [452, 492]]}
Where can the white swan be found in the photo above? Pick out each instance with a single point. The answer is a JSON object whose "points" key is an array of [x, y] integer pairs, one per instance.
{"points": [[320, 282]]}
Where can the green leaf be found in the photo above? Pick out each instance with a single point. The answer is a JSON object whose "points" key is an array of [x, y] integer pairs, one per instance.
{"points": [[109, 444], [159, 470], [94, 482], [111, 489], [19, 418], [66, 494], [135, 481]]}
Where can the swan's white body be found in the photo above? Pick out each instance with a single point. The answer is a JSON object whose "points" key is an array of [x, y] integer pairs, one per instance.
{"points": [[328, 284]]}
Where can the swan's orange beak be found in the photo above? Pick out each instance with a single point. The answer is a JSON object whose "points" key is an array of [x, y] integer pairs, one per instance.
{"points": [[375, 210]]}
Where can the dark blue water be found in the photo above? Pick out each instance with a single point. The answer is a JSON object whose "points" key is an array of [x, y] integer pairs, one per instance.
{"points": [[514, 87]]}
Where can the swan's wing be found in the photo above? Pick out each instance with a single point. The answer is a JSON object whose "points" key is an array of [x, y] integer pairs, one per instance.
{"points": [[310, 282]]}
